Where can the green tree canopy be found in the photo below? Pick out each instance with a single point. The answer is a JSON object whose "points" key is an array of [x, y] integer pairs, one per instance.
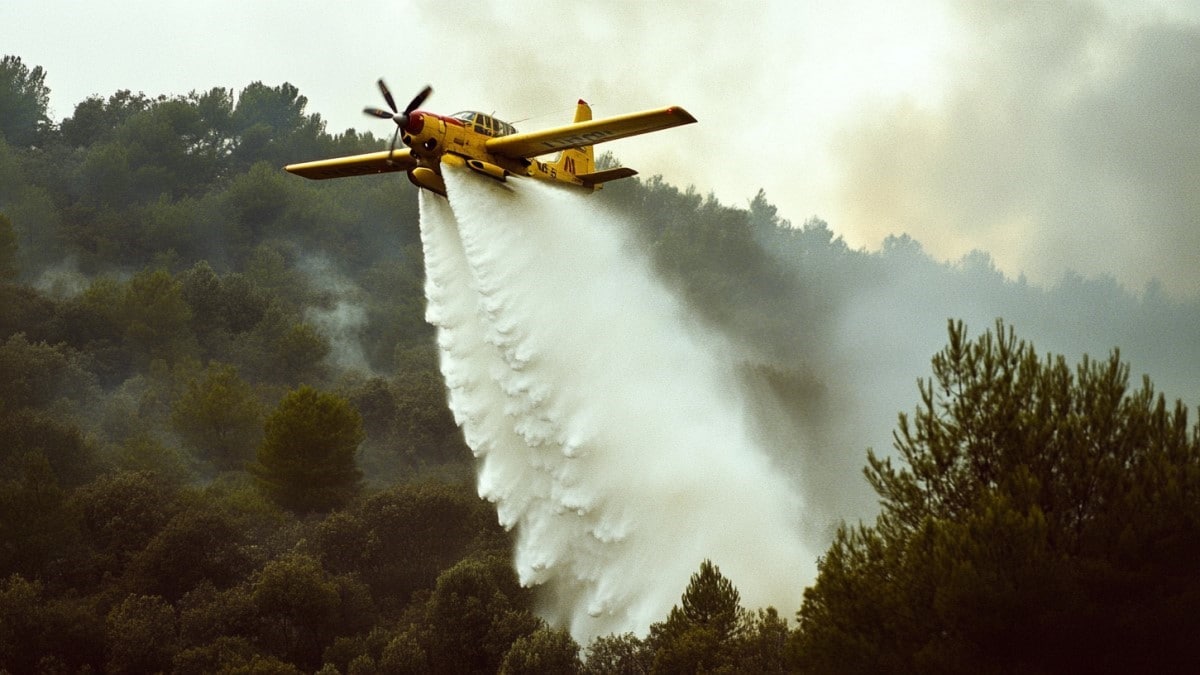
{"points": [[626, 654], [475, 614], [95, 119], [121, 512], [141, 635], [36, 374], [219, 416], [24, 98], [401, 539], [41, 633], [545, 650], [271, 125], [701, 633], [298, 606], [8, 250], [36, 524], [198, 545], [307, 458], [157, 317], [1038, 520]]}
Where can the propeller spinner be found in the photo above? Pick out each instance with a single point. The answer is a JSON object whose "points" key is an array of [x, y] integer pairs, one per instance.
{"points": [[399, 117]]}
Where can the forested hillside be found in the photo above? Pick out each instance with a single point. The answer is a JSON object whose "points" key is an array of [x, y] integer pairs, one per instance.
{"points": [[224, 443]]}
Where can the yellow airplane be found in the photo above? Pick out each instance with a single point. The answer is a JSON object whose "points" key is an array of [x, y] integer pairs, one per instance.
{"points": [[492, 147]]}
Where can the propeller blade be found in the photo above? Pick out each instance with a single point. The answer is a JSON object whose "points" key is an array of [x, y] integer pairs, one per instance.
{"points": [[393, 146], [387, 95], [418, 100], [376, 112], [400, 118]]}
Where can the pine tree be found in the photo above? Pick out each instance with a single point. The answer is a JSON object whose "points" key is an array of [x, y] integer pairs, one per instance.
{"points": [[307, 458], [24, 98], [702, 633], [1036, 520]]}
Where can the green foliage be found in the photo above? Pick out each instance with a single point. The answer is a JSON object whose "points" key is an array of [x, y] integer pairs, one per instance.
{"points": [[140, 635], [221, 307], [475, 614], [408, 425], [260, 198], [219, 416], [401, 539], [711, 601], [703, 631], [25, 310], [270, 125], [92, 321], [143, 451], [404, 655], [764, 646], [426, 427], [24, 97], [19, 603], [37, 525], [8, 250], [107, 175], [307, 458], [208, 616], [120, 513], [225, 654], [618, 654], [37, 374], [28, 433], [157, 319], [41, 633], [171, 149], [300, 609], [545, 650], [150, 246], [299, 352], [1038, 519], [199, 544]]}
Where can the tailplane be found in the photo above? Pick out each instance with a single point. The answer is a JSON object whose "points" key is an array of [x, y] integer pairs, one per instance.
{"points": [[578, 161]]}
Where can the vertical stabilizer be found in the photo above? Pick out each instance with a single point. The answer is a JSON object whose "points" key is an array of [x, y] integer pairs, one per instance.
{"points": [[583, 112], [578, 161]]}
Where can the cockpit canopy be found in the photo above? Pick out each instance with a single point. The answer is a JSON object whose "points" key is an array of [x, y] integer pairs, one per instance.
{"points": [[485, 124]]}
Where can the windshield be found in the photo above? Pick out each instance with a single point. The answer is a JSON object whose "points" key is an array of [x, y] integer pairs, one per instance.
{"points": [[485, 124]]}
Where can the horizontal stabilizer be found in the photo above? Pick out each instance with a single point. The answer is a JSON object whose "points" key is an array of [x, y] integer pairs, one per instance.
{"points": [[355, 165], [594, 179]]}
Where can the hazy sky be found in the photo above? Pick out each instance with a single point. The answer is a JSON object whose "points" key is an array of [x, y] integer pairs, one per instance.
{"points": [[1053, 135]]}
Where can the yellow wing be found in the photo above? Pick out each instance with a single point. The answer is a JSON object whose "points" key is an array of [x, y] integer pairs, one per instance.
{"points": [[355, 165], [577, 135]]}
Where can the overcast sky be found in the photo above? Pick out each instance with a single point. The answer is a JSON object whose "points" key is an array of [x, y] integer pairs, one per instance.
{"points": [[1053, 135]]}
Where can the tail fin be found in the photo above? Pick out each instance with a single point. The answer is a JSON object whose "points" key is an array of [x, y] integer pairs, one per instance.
{"points": [[578, 161]]}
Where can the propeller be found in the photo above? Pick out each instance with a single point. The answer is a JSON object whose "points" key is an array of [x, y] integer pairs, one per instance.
{"points": [[399, 117]]}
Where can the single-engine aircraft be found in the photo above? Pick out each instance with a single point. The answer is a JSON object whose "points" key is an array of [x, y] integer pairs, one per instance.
{"points": [[492, 147]]}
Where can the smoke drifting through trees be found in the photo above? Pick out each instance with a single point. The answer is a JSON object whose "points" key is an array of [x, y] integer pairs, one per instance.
{"points": [[608, 427], [168, 287]]}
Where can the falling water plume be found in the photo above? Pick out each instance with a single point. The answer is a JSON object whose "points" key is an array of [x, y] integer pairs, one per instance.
{"points": [[607, 424]]}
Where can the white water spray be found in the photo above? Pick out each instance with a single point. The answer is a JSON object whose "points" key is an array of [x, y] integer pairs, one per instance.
{"points": [[608, 428]]}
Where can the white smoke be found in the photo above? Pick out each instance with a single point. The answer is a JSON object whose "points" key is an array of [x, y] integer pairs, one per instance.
{"points": [[62, 279], [342, 318], [608, 426]]}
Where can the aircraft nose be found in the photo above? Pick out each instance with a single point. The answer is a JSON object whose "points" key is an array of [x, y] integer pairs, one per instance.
{"points": [[416, 122]]}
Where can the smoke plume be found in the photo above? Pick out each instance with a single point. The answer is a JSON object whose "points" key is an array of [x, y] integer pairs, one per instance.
{"points": [[1068, 139]]}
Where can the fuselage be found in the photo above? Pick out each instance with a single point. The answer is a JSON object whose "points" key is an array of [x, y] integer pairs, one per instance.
{"points": [[460, 139]]}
